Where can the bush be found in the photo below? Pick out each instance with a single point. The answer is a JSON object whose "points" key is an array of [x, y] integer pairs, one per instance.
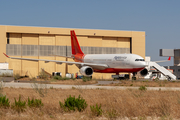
{"points": [[19, 105], [57, 77], [86, 78], [43, 75], [142, 88], [35, 102], [97, 111], [156, 79], [60, 78], [112, 113], [40, 88], [4, 102], [65, 78], [72, 103], [1, 88], [17, 76]]}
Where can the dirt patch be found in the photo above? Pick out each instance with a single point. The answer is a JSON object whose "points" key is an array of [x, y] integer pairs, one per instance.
{"points": [[146, 83], [74, 82], [64, 82]]}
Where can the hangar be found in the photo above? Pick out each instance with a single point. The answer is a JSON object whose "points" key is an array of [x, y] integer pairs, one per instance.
{"points": [[42, 42]]}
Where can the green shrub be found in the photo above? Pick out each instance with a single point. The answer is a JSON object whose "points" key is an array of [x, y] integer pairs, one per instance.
{"points": [[17, 76], [142, 88], [40, 88], [64, 78], [72, 103], [19, 105], [156, 79], [1, 87], [60, 78], [35, 102], [85, 79], [4, 102], [43, 75], [97, 111], [112, 113], [73, 87], [56, 77]]}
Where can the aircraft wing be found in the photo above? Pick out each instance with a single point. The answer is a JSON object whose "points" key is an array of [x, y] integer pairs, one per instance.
{"points": [[62, 56], [93, 65]]}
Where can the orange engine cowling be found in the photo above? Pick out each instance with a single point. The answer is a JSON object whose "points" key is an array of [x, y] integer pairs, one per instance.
{"points": [[86, 71]]}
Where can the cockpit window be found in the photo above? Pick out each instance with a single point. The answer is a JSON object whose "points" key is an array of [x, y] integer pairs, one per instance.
{"points": [[139, 59]]}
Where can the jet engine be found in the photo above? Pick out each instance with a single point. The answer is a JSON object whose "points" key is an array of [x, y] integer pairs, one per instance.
{"points": [[86, 71], [144, 72]]}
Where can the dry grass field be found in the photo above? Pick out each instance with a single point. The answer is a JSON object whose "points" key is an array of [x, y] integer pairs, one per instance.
{"points": [[116, 104]]}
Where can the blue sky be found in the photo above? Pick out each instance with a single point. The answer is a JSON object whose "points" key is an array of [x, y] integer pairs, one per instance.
{"points": [[160, 19]]}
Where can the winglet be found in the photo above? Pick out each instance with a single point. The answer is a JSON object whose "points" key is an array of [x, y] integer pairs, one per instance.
{"points": [[6, 55], [169, 58]]}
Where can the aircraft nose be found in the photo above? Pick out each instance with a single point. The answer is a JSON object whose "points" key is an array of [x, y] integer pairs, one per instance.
{"points": [[141, 64]]}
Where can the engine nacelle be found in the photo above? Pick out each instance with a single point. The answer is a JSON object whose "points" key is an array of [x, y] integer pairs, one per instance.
{"points": [[144, 72], [86, 71]]}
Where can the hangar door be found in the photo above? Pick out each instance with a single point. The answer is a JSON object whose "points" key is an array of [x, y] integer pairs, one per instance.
{"points": [[117, 45]]}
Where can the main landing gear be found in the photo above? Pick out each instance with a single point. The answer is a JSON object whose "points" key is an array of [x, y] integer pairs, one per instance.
{"points": [[134, 74]]}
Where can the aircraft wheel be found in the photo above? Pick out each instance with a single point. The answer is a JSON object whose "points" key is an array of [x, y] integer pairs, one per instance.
{"points": [[133, 78], [169, 79]]}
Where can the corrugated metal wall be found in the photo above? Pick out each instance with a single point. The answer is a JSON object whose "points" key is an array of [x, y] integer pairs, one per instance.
{"points": [[48, 50]]}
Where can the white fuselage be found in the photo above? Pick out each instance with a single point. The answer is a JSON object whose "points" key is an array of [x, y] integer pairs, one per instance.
{"points": [[117, 62]]}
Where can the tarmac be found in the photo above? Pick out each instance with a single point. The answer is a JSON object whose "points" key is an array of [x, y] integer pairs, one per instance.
{"points": [[95, 86]]}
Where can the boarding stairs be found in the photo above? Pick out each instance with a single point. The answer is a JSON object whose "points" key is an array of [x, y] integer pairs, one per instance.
{"points": [[164, 71]]}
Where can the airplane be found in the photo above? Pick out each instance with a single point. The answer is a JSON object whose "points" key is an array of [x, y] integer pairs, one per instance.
{"points": [[102, 63]]}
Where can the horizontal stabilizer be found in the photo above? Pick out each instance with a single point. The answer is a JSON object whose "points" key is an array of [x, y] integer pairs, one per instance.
{"points": [[163, 60]]}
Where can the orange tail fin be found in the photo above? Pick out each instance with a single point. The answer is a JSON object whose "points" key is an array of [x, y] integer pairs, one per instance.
{"points": [[75, 44]]}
